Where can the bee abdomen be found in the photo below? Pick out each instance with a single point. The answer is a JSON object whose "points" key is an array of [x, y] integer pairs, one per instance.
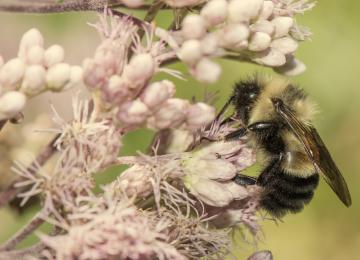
{"points": [[285, 193]]}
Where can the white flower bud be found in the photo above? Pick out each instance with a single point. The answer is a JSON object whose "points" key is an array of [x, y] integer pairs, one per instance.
{"points": [[157, 93], [207, 71], [214, 12], [200, 114], [271, 57], [286, 45], [190, 52], [34, 80], [214, 169], [210, 192], [171, 114], [180, 141], [292, 67], [263, 26], [193, 27], [244, 10], [133, 112], [135, 180], [76, 76], [209, 44], [234, 36], [11, 73], [53, 55], [267, 10], [259, 41], [140, 69], [133, 3], [58, 76], [35, 56], [282, 25], [31, 38], [182, 3], [11, 103]]}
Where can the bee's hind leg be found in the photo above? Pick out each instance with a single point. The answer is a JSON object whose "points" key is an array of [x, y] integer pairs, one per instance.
{"points": [[244, 180]]}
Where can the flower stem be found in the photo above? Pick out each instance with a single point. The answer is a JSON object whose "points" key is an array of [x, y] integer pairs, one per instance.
{"points": [[21, 253], [67, 6], [34, 223]]}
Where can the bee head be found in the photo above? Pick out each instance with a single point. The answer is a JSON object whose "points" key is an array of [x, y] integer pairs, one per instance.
{"points": [[245, 95]]}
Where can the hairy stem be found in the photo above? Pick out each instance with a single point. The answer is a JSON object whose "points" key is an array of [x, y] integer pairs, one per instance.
{"points": [[32, 251], [34, 223], [54, 7], [9, 194]]}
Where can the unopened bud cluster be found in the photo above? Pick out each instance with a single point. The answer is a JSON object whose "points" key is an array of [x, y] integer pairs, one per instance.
{"points": [[35, 70], [123, 83], [259, 31]]}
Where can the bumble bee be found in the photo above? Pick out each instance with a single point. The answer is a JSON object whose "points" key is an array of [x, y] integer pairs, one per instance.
{"points": [[276, 118]]}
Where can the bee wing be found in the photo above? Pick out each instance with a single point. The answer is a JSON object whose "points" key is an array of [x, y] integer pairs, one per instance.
{"points": [[317, 152]]}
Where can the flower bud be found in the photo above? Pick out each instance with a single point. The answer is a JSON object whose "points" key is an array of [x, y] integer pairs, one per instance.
{"points": [[209, 192], [180, 140], [244, 10], [31, 38], [11, 103], [286, 45], [53, 55], [134, 181], [182, 3], [58, 76], [35, 56], [11, 73], [116, 90], [94, 76], [140, 69], [157, 93], [234, 36], [214, 12], [133, 112], [133, 3], [259, 41], [270, 57], [261, 255], [200, 114], [193, 27], [263, 26], [190, 52], [214, 169], [282, 25], [34, 80], [171, 114], [76, 76], [266, 10], [292, 67], [207, 71], [209, 44]]}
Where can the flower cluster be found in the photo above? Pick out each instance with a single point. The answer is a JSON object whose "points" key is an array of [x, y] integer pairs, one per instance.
{"points": [[264, 32], [34, 71], [179, 201], [123, 86]]}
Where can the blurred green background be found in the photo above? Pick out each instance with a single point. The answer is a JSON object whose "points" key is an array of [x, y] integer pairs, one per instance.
{"points": [[325, 229]]}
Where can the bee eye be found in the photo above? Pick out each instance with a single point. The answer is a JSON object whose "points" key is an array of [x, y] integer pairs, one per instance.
{"points": [[252, 95]]}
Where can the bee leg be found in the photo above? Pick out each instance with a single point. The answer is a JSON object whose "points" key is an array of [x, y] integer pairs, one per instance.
{"points": [[236, 134], [244, 180], [260, 126], [225, 107]]}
